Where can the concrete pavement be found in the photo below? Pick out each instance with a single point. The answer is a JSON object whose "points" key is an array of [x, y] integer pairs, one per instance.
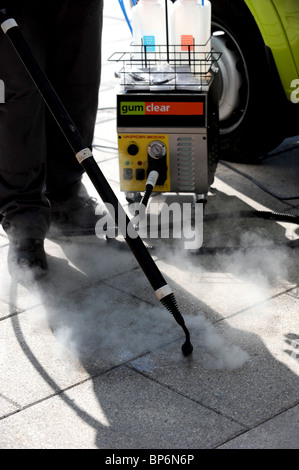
{"points": [[90, 360]]}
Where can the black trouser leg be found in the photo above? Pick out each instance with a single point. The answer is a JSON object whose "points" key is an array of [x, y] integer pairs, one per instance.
{"points": [[65, 38], [73, 66], [22, 142]]}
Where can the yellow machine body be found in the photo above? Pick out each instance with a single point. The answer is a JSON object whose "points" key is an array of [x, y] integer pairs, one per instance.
{"points": [[174, 122], [134, 168]]}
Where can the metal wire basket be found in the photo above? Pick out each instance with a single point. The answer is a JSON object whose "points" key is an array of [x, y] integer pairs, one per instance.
{"points": [[166, 67]]}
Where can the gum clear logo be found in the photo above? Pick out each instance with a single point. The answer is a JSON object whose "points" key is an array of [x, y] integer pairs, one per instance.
{"points": [[136, 108]]}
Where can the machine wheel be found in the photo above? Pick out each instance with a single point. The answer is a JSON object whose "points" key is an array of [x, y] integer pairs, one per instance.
{"points": [[246, 85], [133, 197]]}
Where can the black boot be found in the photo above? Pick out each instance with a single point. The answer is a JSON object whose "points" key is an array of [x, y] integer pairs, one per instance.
{"points": [[74, 213], [27, 255]]}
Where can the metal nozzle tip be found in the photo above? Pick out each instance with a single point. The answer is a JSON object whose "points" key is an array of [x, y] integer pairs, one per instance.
{"points": [[187, 348], [170, 303]]}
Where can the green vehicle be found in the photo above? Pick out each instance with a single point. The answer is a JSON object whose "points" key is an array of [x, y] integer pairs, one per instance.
{"points": [[258, 81]]}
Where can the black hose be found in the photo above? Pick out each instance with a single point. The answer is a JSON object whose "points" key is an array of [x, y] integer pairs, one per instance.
{"points": [[149, 186], [147, 194], [278, 217], [268, 215], [151, 182]]}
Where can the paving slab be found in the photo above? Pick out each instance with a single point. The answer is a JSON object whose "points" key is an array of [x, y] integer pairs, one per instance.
{"points": [[280, 432], [221, 283], [242, 366], [273, 185], [45, 347], [120, 409], [7, 407]]}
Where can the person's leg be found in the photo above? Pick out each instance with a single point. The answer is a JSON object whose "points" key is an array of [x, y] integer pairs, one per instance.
{"points": [[73, 66], [25, 210], [22, 141]]}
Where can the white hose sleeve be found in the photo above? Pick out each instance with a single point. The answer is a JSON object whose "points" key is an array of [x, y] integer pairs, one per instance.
{"points": [[152, 178], [7, 24], [83, 154], [163, 291]]}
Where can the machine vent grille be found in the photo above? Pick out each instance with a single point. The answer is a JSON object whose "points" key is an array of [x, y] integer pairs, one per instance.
{"points": [[185, 159]]}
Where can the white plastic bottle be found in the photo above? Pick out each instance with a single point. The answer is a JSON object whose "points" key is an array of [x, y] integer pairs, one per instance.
{"points": [[190, 34], [149, 29]]}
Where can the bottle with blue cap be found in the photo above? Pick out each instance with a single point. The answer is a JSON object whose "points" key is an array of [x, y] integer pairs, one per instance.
{"points": [[149, 28]]}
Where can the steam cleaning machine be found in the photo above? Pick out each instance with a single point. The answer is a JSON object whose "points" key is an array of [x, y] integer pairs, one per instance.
{"points": [[168, 103], [167, 139], [167, 109]]}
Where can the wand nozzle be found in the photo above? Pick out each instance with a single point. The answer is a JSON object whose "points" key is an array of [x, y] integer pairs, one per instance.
{"points": [[170, 303]]}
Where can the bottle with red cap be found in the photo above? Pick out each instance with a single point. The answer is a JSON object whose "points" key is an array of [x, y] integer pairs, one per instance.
{"points": [[191, 32]]}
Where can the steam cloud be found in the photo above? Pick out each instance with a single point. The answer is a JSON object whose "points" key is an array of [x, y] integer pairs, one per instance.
{"points": [[102, 316]]}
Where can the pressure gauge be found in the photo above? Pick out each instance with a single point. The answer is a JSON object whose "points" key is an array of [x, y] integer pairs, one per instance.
{"points": [[156, 149]]}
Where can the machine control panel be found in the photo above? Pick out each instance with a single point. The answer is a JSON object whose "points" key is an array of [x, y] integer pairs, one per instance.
{"points": [[140, 153]]}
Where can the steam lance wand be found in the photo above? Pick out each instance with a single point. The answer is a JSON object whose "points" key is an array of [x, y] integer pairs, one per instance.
{"points": [[85, 158]]}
